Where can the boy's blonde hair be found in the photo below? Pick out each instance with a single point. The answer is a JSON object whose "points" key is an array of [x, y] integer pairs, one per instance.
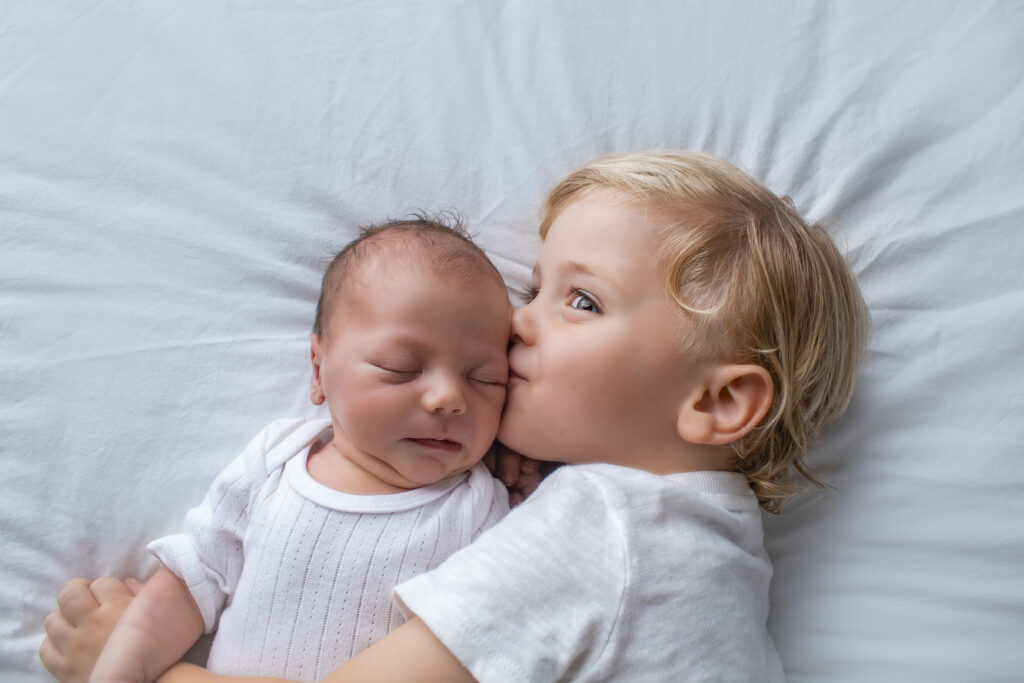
{"points": [[760, 284]]}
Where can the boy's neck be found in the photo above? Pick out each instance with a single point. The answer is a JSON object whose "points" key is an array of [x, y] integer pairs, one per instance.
{"points": [[691, 458]]}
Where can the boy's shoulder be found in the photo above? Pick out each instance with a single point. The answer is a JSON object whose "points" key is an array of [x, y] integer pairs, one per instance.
{"points": [[615, 478], [636, 502]]}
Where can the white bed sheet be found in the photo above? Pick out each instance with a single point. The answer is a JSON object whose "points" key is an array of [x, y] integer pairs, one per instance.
{"points": [[172, 177]]}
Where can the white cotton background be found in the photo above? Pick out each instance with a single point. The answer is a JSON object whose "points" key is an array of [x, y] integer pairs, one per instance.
{"points": [[174, 175]]}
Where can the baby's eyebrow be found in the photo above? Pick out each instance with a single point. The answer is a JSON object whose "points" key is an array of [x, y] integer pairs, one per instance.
{"points": [[403, 343]]}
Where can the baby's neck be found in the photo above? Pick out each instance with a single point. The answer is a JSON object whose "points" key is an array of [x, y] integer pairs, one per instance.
{"points": [[329, 467]]}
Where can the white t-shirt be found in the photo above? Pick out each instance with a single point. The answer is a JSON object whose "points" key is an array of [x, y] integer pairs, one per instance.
{"points": [[297, 577], [608, 573]]}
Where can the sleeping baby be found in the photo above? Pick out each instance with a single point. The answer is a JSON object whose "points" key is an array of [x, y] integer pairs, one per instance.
{"points": [[293, 555]]}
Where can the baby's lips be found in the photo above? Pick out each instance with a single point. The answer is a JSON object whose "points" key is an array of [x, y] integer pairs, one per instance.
{"points": [[441, 444]]}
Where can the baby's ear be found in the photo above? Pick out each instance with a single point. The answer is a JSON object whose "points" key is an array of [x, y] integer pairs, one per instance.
{"points": [[730, 402], [316, 394]]}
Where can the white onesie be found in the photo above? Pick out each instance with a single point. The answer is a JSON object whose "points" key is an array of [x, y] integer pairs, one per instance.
{"points": [[296, 577]]}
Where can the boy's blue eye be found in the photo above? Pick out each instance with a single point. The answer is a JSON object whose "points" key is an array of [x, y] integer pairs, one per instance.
{"points": [[583, 302]]}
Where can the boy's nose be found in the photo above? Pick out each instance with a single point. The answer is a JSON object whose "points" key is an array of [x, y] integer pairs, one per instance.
{"points": [[445, 396], [524, 326]]}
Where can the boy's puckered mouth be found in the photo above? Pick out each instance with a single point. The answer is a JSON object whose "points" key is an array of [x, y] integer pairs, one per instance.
{"points": [[514, 376]]}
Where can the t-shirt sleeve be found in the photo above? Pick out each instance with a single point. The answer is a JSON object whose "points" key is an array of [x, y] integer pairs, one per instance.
{"points": [[535, 597], [208, 554]]}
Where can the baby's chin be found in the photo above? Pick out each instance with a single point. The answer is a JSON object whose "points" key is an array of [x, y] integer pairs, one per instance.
{"points": [[425, 475]]}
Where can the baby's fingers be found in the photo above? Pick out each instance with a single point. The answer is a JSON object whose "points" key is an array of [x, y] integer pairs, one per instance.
{"points": [[58, 630], [75, 601], [508, 466], [108, 589], [58, 648], [51, 658]]}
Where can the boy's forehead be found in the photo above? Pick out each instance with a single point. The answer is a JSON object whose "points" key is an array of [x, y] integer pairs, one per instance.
{"points": [[603, 233]]}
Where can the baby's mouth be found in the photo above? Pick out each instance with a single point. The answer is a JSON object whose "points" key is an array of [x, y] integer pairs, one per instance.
{"points": [[446, 445]]}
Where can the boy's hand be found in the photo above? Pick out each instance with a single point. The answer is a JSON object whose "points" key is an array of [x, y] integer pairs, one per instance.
{"points": [[78, 629], [520, 475]]}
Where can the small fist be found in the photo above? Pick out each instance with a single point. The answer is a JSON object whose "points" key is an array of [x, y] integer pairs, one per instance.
{"points": [[78, 629], [520, 475]]}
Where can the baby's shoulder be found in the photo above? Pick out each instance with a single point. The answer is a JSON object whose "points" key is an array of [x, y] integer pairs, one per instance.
{"points": [[280, 441]]}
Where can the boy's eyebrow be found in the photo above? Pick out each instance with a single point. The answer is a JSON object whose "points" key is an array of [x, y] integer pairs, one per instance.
{"points": [[576, 268], [573, 268]]}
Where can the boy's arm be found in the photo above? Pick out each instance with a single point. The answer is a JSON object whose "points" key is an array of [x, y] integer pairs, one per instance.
{"points": [[157, 628], [78, 629], [409, 653]]}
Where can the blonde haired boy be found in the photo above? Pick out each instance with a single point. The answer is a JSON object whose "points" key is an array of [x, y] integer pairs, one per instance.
{"points": [[687, 335]]}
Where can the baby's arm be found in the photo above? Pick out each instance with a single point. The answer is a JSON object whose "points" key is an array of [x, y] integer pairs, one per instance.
{"points": [[159, 626]]}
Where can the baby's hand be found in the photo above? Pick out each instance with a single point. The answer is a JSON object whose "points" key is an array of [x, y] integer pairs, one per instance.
{"points": [[520, 475], [77, 630]]}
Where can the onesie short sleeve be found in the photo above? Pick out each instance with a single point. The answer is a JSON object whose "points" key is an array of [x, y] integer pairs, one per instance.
{"points": [[208, 555], [558, 560]]}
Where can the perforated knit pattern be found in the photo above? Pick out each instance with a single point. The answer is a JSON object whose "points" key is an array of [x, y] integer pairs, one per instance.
{"points": [[306, 572]]}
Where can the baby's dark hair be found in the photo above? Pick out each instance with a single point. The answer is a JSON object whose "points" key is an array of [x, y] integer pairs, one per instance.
{"points": [[439, 240]]}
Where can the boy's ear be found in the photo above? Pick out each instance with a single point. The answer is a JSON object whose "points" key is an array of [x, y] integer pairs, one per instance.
{"points": [[731, 401], [316, 394]]}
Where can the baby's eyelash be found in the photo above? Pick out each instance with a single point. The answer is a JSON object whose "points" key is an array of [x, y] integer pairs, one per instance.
{"points": [[395, 370]]}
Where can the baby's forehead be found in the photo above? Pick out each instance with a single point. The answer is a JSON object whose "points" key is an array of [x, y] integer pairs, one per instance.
{"points": [[411, 260], [429, 254]]}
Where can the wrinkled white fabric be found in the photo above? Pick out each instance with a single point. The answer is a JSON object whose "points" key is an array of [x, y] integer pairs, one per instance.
{"points": [[173, 176], [609, 573]]}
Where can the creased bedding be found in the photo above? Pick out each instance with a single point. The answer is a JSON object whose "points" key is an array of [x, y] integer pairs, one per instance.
{"points": [[173, 176]]}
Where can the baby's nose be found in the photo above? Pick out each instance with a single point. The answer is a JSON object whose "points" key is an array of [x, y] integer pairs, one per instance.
{"points": [[445, 395]]}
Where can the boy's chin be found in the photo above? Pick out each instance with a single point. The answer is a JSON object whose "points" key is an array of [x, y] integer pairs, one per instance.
{"points": [[508, 438]]}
